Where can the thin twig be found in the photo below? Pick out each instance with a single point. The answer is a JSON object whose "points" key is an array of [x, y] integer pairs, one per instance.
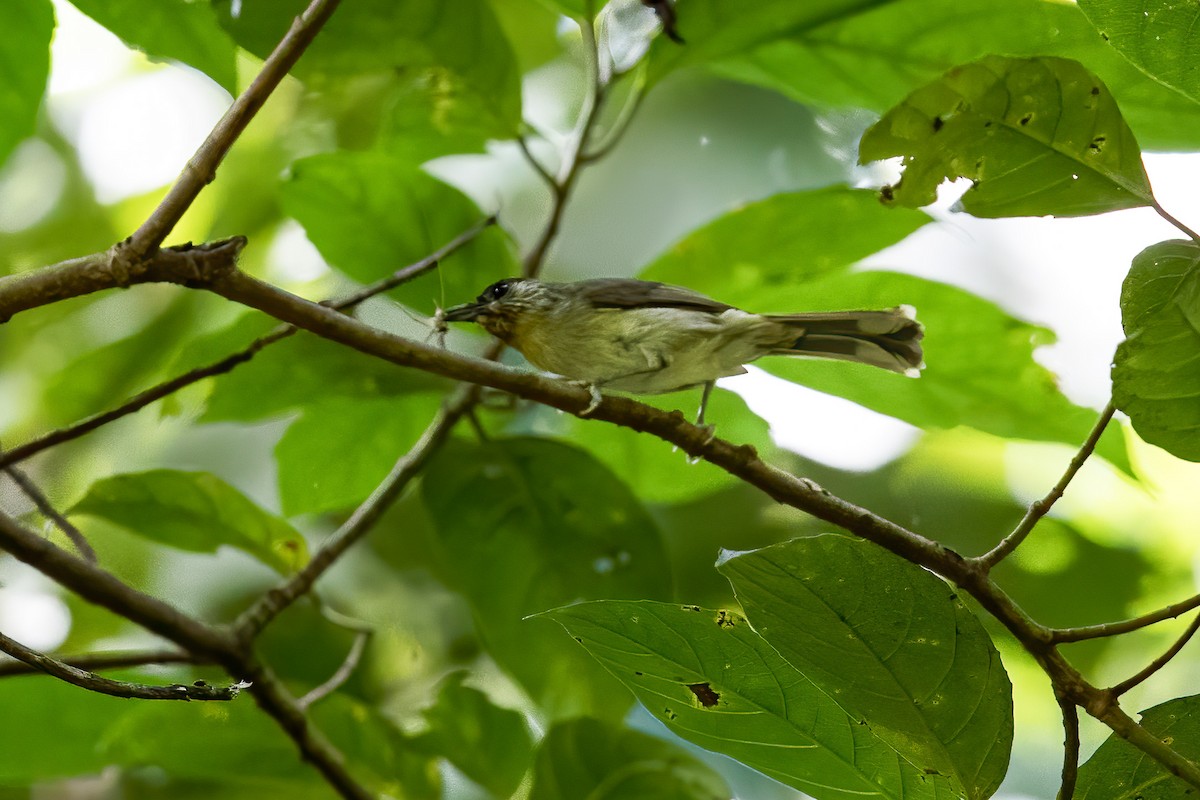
{"points": [[628, 111], [1041, 507], [1162, 212], [536, 164], [271, 604], [1063, 635], [228, 363], [1070, 767], [95, 683], [343, 673], [201, 168], [571, 163], [47, 510], [111, 660], [1158, 663]]}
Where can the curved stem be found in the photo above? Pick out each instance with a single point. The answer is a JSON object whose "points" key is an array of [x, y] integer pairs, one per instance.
{"points": [[1162, 212], [1063, 635], [1040, 508], [1158, 663]]}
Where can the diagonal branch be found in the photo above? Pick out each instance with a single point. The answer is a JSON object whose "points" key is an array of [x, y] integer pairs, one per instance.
{"points": [[110, 660], [47, 510], [1042, 507], [1158, 663], [201, 168], [230, 362], [95, 683], [1063, 635]]}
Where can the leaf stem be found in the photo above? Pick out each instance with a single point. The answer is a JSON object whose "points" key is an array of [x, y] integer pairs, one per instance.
{"points": [[1158, 663], [1162, 212], [1064, 635]]}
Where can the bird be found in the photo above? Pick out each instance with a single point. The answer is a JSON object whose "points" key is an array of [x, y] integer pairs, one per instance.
{"points": [[646, 337]]}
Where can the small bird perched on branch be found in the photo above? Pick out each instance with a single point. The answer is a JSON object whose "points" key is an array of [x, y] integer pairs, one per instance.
{"points": [[650, 338]]}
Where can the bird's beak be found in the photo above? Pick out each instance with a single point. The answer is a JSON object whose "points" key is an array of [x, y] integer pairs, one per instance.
{"points": [[467, 312]]}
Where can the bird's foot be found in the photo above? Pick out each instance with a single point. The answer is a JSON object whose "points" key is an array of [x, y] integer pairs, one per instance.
{"points": [[594, 391]]}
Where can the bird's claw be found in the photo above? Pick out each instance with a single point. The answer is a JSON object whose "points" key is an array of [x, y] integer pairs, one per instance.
{"points": [[594, 392]]}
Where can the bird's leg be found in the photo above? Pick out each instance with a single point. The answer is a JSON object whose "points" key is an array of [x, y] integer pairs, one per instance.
{"points": [[711, 429], [594, 391]]}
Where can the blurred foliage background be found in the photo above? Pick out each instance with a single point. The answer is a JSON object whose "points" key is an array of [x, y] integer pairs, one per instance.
{"points": [[395, 134]]}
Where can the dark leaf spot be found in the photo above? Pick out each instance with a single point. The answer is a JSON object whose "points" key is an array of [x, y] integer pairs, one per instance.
{"points": [[1096, 89], [638, 674], [669, 714], [937, 124], [705, 694], [1025, 120], [690, 608], [725, 619], [887, 194]]}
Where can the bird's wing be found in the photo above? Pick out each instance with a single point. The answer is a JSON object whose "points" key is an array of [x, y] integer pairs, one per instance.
{"points": [[631, 293]]}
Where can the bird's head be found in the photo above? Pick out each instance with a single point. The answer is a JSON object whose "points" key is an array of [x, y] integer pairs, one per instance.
{"points": [[502, 305]]}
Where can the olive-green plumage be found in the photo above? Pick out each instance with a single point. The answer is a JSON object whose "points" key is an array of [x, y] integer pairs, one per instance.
{"points": [[646, 337]]}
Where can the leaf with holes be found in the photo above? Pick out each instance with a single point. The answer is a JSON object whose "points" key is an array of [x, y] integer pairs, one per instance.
{"points": [[714, 681], [1156, 373], [892, 644], [1038, 136]]}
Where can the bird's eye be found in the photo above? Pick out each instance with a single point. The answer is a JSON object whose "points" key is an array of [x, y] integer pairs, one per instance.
{"points": [[496, 290]]}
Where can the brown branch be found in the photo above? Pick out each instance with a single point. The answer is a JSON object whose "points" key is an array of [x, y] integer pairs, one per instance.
{"points": [[270, 605], [1063, 635], [1070, 767], [201, 168], [47, 510], [80, 276], [228, 363], [109, 660], [1158, 663], [1042, 507], [95, 683]]}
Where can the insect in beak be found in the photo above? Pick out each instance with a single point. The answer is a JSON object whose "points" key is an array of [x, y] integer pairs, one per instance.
{"points": [[467, 312]]}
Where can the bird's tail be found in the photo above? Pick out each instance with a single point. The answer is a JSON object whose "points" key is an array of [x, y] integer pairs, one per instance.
{"points": [[888, 339]]}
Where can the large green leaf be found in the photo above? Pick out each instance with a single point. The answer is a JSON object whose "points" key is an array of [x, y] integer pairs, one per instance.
{"points": [[1160, 37], [591, 758], [759, 250], [315, 473], [1037, 136], [24, 68], [180, 30], [488, 744], [403, 37], [1156, 373], [370, 214], [1120, 771], [873, 58], [524, 525], [194, 511], [721, 28], [980, 368], [892, 644], [214, 743], [714, 681]]}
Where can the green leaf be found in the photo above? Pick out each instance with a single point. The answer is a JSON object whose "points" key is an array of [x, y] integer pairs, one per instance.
{"points": [[1156, 373], [590, 758], [488, 744], [1157, 36], [529, 524], [370, 214], [235, 742], [873, 58], [1038, 136], [35, 750], [891, 643], [1120, 771], [397, 36], [980, 368], [24, 68], [714, 681], [178, 30], [761, 250], [717, 29], [194, 511], [314, 473]]}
